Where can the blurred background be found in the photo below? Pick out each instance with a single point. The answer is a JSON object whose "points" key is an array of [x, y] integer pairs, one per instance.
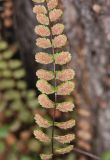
{"points": [[87, 24]]}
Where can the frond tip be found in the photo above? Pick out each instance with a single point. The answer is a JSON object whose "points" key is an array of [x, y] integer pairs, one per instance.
{"points": [[44, 58], [65, 139], [41, 136], [45, 87], [45, 101], [64, 150], [41, 121], [66, 125]]}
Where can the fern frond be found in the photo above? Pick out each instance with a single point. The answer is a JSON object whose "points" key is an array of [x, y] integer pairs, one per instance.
{"points": [[52, 39]]}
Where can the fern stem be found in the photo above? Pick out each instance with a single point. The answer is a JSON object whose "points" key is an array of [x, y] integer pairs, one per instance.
{"points": [[55, 85]]}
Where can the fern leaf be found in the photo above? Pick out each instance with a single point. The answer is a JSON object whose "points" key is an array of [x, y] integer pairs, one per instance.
{"points": [[66, 125], [59, 41], [65, 139], [45, 87], [65, 106], [42, 31], [57, 29], [65, 88], [62, 58], [44, 58], [52, 4], [45, 101], [55, 15], [45, 74], [39, 9], [43, 43], [42, 19], [46, 156], [65, 75], [64, 150], [38, 1], [41, 136], [41, 121]]}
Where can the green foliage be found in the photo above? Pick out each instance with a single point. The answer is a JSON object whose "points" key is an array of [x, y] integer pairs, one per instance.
{"points": [[4, 132], [17, 104], [106, 156], [2, 147]]}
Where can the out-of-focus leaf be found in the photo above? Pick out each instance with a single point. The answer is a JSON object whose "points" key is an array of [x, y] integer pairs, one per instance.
{"points": [[3, 45], [12, 156], [25, 158], [16, 105], [8, 113], [12, 94], [2, 106], [71, 157], [7, 54], [15, 126], [14, 64], [21, 85], [25, 116], [7, 84], [4, 131], [3, 65], [31, 94], [106, 156], [34, 146], [32, 103], [19, 74], [2, 147], [7, 74]]}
